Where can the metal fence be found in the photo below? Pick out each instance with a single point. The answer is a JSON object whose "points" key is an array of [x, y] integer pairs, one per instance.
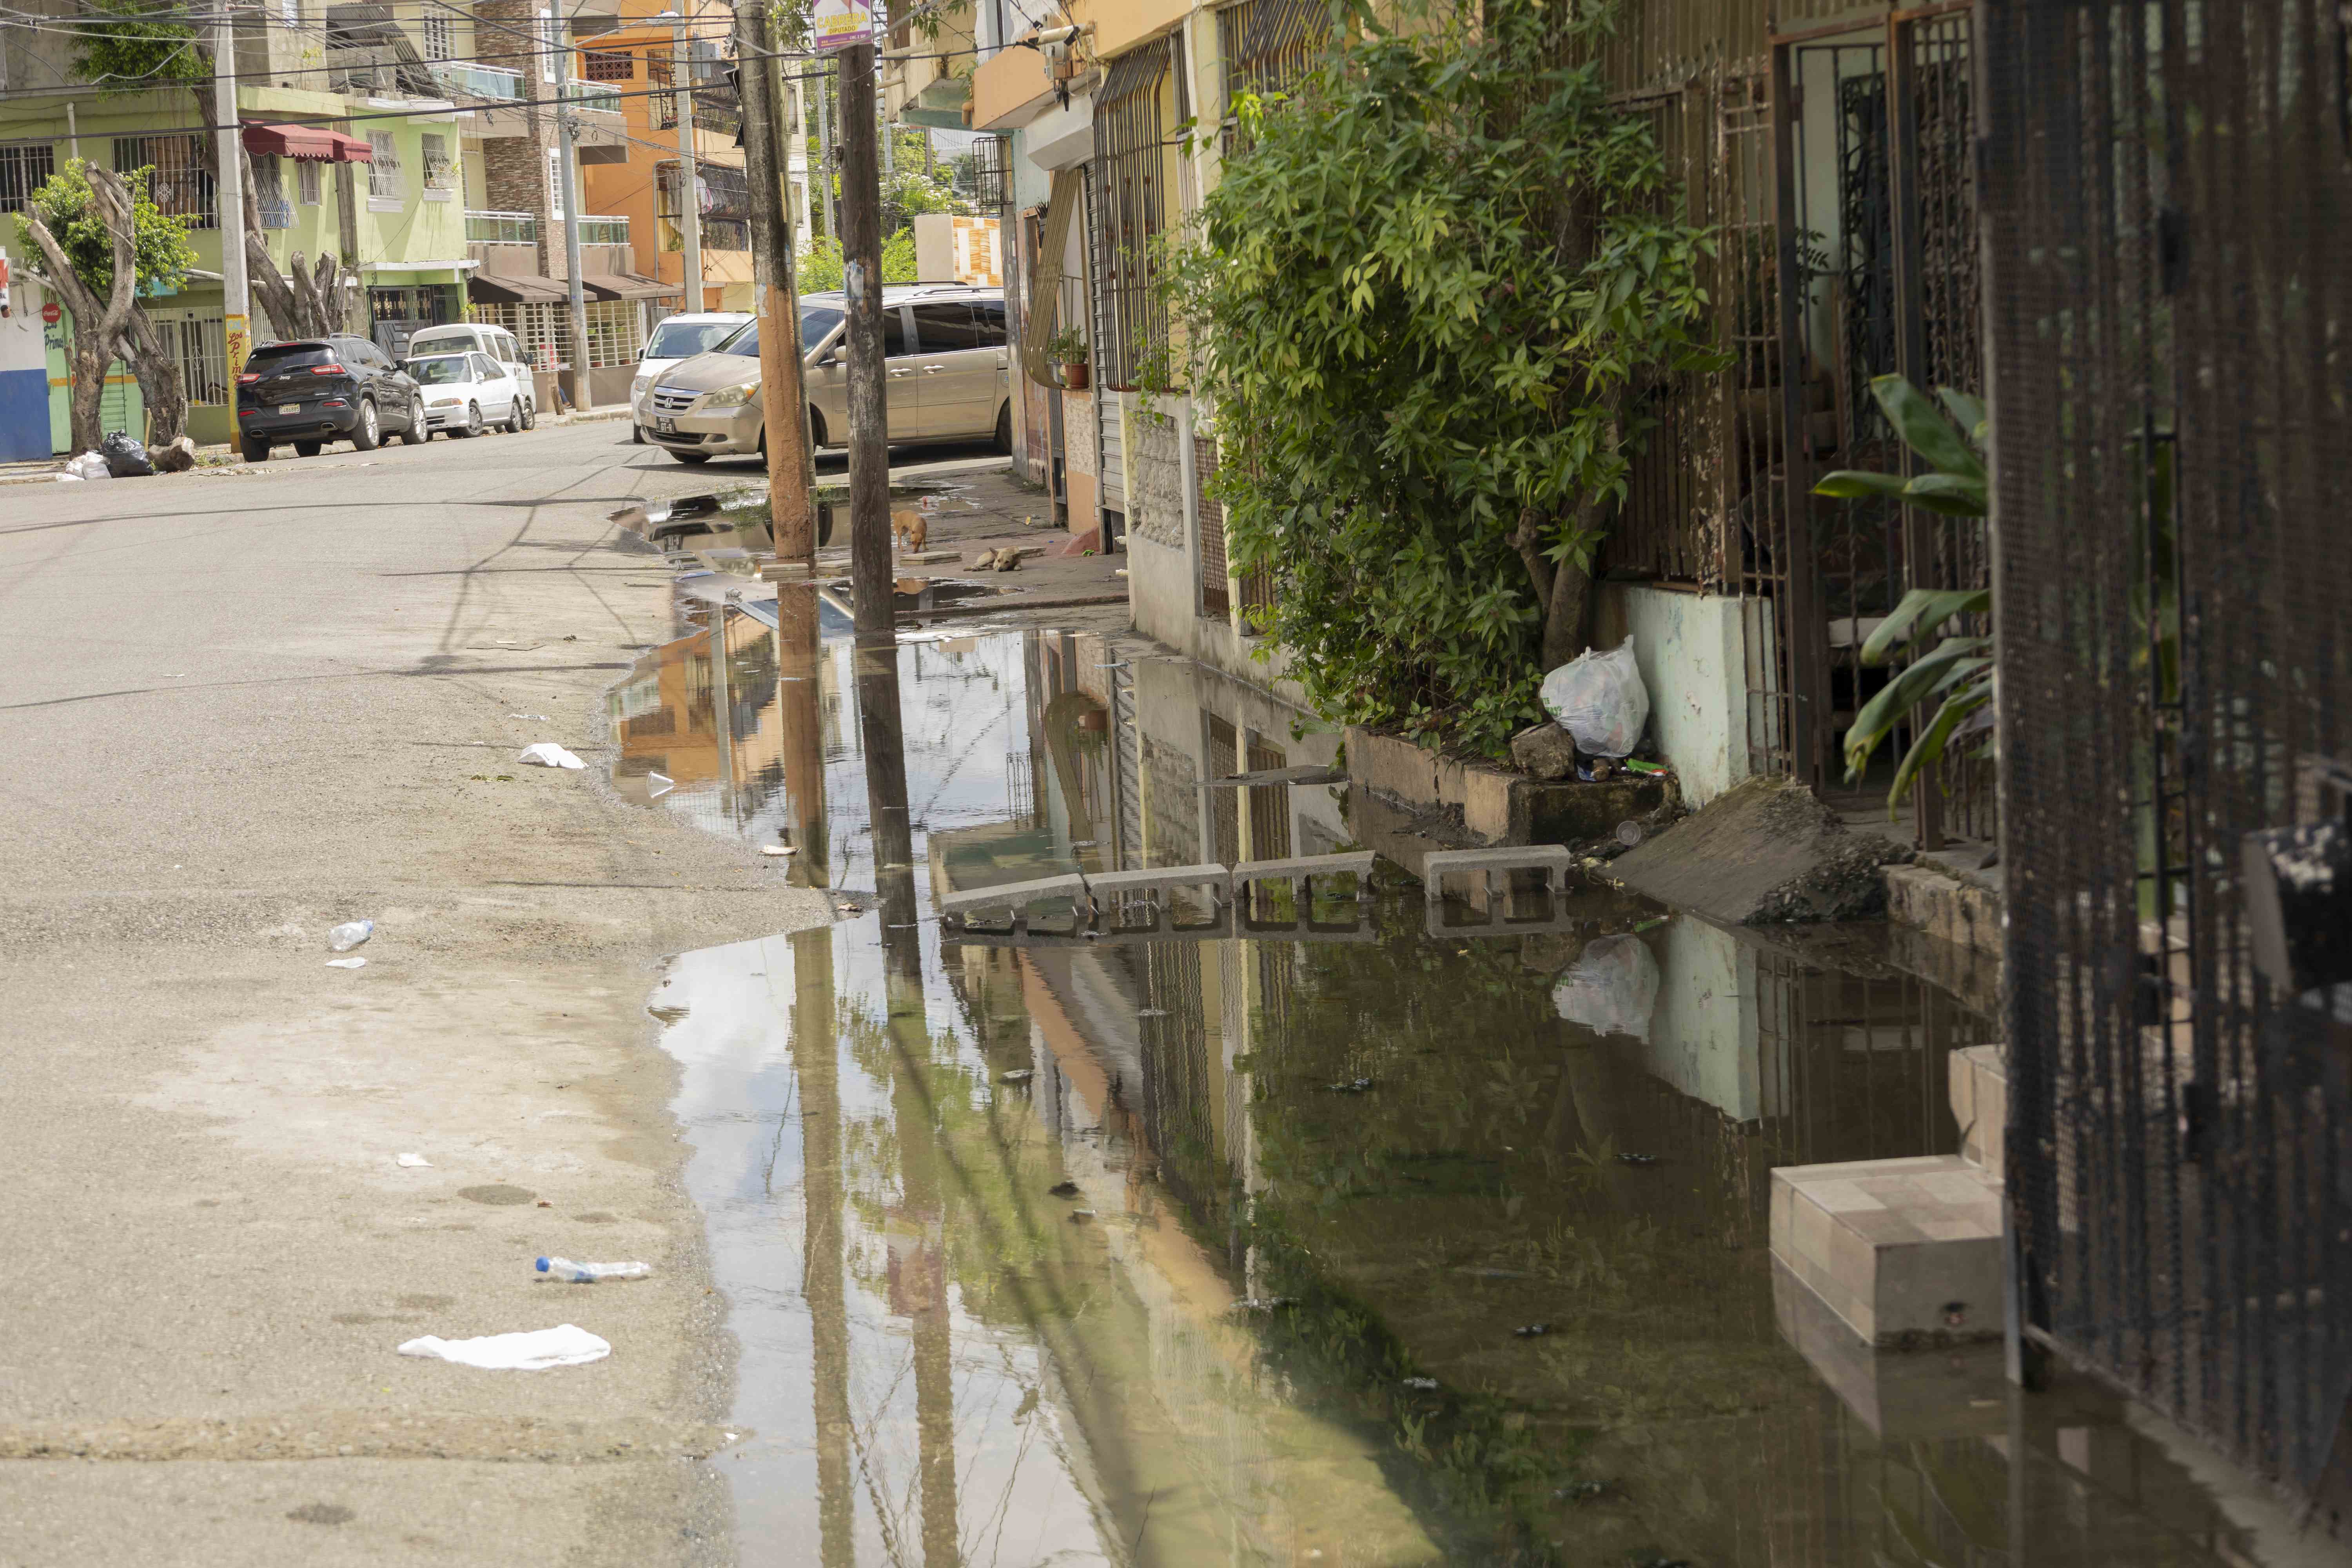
{"points": [[1130, 212], [2166, 200]]}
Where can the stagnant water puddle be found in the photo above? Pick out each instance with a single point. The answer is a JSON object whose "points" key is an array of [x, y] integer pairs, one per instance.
{"points": [[1335, 1247]]}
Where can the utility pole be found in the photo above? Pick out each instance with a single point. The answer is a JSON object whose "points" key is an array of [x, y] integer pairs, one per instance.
{"points": [[689, 170], [791, 135], [228, 155], [824, 172], [869, 424], [569, 158], [783, 398]]}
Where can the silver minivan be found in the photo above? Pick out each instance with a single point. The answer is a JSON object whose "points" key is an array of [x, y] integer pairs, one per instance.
{"points": [[947, 377]]}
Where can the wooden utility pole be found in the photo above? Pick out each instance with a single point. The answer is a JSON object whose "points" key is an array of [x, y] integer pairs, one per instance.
{"points": [[869, 420], [782, 396]]}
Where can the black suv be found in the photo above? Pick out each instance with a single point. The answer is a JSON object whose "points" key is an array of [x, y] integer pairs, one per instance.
{"points": [[318, 390]]}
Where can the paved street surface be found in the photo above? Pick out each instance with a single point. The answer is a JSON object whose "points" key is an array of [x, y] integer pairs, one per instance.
{"points": [[243, 708]]}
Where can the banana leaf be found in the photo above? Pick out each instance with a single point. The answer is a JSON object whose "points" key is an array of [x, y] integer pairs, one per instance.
{"points": [[1929, 749], [1921, 611], [1924, 428]]}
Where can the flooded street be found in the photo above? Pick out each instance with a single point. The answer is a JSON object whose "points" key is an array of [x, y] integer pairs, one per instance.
{"points": [[1396, 1236]]}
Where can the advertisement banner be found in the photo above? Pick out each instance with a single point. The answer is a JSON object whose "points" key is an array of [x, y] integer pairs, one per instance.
{"points": [[840, 23]]}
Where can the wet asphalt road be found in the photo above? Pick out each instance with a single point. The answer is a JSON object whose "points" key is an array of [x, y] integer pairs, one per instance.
{"points": [[241, 708]]}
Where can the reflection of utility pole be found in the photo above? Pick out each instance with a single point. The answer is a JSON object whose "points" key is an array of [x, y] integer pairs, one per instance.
{"points": [[800, 706], [824, 173], [816, 1057], [883, 730]]}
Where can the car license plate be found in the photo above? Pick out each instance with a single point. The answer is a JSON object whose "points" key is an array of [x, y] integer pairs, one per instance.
{"points": [[666, 426], [289, 408]]}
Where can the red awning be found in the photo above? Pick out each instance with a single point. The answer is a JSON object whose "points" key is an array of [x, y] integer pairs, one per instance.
{"points": [[315, 142]]}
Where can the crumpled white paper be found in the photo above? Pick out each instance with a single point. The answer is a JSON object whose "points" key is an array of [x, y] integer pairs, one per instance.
{"points": [[548, 754], [563, 1345]]}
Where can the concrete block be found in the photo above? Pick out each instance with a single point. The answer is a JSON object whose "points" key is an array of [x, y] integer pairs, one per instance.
{"points": [[1012, 896], [1552, 860], [1945, 907], [1907, 1252], [1980, 1088]]}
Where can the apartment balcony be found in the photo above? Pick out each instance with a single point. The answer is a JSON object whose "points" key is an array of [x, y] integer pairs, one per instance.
{"points": [[463, 79], [501, 228]]}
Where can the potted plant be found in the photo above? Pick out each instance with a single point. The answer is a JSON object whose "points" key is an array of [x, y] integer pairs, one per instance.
{"points": [[1069, 350]]}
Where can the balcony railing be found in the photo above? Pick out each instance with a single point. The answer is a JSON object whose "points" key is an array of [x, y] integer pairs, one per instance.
{"points": [[465, 79], [604, 230], [594, 95], [501, 228]]}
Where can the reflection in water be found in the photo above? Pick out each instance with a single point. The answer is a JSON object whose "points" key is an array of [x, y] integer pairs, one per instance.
{"points": [[1389, 1246]]}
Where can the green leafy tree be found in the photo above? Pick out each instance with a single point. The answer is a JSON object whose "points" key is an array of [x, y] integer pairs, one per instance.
{"points": [[128, 46], [88, 225], [1430, 302]]}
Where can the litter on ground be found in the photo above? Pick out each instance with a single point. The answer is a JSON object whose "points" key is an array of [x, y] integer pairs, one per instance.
{"points": [[548, 754], [347, 964], [563, 1345], [349, 935]]}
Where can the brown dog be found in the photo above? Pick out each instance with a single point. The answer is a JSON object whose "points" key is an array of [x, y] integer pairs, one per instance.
{"points": [[911, 529]]}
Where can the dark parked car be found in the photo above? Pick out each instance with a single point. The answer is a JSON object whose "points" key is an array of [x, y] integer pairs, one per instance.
{"points": [[310, 392]]}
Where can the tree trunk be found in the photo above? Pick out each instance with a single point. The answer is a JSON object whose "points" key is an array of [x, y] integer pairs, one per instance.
{"points": [[98, 323], [154, 361], [1568, 606], [83, 401]]}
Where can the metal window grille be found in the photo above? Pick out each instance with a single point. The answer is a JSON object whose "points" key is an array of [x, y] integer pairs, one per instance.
{"points": [[181, 181], [269, 192], [306, 183], [613, 332], [717, 110], [659, 77], [22, 170], [438, 43], [1224, 760], [1266, 46], [1130, 167], [383, 166], [441, 171], [991, 170], [543, 329], [1216, 602], [202, 343], [2166, 211], [609, 65], [726, 206]]}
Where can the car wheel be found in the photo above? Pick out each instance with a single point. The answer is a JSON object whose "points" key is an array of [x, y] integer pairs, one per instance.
{"points": [[816, 426], [637, 435], [1004, 428], [307, 448], [418, 431], [255, 451], [370, 435], [513, 425], [691, 457], [473, 425], [530, 414]]}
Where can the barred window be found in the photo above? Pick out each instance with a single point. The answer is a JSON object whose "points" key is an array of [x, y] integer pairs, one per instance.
{"points": [[181, 184], [613, 332], [202, 346], [543, 329], [659, 75], [22, 170], [438, 44], [610, 64], [384, 169], [726, 206], [305, 177], [440, 169], [269, 192]]}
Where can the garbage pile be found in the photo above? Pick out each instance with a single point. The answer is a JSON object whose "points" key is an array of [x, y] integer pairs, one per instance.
{"points": [[122, 457]]}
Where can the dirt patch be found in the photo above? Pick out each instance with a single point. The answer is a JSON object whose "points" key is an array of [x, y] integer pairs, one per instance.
{"points": [[1765, 853]]}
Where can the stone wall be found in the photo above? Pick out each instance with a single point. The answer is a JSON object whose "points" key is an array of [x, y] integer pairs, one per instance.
{"points": [[1155, 480]]}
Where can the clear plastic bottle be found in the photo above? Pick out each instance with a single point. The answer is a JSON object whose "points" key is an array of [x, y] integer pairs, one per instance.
{"points": [[349, 935], [570, 1273]]}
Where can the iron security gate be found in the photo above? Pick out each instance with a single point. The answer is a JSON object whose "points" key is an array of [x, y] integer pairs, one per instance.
{"points": [[2167, 205]]}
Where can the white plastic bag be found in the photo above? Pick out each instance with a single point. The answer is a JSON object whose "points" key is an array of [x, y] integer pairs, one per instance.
{"points": [[548, 754], [565, 1345], [1600, 700], [1613, 989], [88, 466]]}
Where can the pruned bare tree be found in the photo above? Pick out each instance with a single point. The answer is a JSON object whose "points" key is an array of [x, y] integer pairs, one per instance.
{"points": [[315, 300], [98, 323]]}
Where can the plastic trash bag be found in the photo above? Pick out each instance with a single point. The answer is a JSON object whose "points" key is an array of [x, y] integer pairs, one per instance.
{"points": [[1613, 989], [548, 754], [1599, 698], [125, 459], [88, 466], [564, 1345]]}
